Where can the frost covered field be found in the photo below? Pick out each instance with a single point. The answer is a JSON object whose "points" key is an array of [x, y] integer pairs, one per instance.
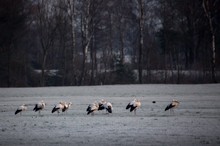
{"points": [[195, 122]]}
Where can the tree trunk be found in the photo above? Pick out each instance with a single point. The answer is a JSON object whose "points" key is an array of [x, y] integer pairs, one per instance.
{"points": [[93, 60], [73, 50], [209, 8], [43, 68], [121, 31], [86, 37], [213, 59], [141, 41], [91, 82]]}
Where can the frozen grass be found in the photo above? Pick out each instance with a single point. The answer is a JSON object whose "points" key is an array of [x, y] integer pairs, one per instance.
{"points": [[195, 122]]}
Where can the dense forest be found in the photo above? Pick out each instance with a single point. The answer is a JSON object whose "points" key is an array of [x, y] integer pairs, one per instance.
{"points": [[99, 42]]}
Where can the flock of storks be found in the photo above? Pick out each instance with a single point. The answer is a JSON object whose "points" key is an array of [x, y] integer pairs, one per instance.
{"points": [[96, 106]]}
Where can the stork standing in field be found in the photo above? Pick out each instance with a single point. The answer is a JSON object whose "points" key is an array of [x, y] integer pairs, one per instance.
{"points": [[108, 107], [66, 106], [172, 105], [101, 104], [59, 107], [92, 108], [105, 105], [20, 109], [39, 106], [134, 105]]}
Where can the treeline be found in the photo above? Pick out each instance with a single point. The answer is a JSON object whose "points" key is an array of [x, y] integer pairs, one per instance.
{"points": [[93, 42]]}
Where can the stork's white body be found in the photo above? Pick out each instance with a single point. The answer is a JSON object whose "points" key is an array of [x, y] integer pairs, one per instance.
{"points": [[108, 107], [103, 104], [59, 107], [20, 109], [39, 106], [66, 106], [92, 108], [134, 105], [174, 104]]}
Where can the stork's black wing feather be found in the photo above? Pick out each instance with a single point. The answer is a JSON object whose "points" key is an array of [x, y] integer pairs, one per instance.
{"points": [[169, 107], [128, 106], [54, 109], [17, 111], [132, 108]]}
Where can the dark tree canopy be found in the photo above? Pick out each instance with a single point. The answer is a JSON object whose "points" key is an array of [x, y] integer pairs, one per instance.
{"points": [[92, 42]]}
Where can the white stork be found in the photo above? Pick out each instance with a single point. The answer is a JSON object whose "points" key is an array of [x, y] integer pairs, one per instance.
{"points": [[105, 105], [59, 107], [39, 106], [20, 109], [108, 107], [134, 105], [66, 106], [172, 105], [92, 108], [101, 104]]}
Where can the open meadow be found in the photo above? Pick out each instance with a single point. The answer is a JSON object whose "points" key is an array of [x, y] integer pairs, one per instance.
{"points": [[195, 122]]}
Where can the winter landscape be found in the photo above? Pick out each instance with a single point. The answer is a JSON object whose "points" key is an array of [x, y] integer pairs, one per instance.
{"points": [[195, 122]]}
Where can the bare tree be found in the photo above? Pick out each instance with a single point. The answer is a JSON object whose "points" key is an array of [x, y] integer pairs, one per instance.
{"points": [[86, 36], [141, 40], [89, 20], [46, 30], [71, 10], [62, 20], [210, 8]]}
